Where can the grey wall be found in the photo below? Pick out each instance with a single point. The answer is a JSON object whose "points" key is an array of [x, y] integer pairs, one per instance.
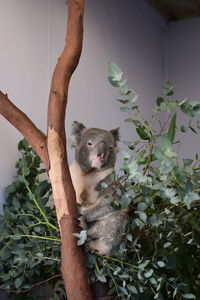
{"points": [[183, 68], [32, 37], [23, 72]]}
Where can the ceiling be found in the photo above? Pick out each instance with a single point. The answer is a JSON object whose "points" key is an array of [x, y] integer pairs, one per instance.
{"points": [[173, 10]]}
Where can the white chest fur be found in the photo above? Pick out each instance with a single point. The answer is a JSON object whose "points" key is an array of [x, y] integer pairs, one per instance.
{"points": [[86, 183]]}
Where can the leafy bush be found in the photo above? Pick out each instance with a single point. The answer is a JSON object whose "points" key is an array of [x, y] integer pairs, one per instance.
{"points": [[29, 238], [159, 257]]}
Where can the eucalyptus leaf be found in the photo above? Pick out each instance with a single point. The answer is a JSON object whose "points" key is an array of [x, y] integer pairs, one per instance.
{"points": [[189, 198], [172, 129], [115, 74], [101, 278], [192, 129], [148, 273], [132, 289], [161, 264], [18, 282], [141, 206], [191, 108], [159, 100], [82, 236], [125, 108], [183, 128], [123, 101], [166, 245], [189, 296], [142, 133], [143, 216], [136, 122], [134, 98]]}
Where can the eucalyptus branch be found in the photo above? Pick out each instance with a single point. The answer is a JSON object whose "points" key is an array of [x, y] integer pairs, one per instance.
{"points": [[48, 258], [121, 262], [37, 224], [165, 124], [148, 159], [145, 121], [112, 277], [28, 215], [33, 285], [42, 237], [34, 236], [40, 209]]}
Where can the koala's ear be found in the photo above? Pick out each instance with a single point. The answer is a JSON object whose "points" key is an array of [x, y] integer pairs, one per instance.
{"points": [[115, 133], [77, 129]]}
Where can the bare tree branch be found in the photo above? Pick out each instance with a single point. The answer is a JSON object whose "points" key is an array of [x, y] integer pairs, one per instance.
{"points": [[73, 265], [21, 122]]}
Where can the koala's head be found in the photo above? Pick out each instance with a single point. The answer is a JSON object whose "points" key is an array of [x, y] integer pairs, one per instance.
{"points": [[94, 148]]}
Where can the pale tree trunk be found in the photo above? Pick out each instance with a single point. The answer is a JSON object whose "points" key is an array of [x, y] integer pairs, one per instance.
{"points": [[52, 151]]}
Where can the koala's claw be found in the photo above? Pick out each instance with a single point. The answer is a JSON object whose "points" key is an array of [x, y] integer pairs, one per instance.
{"points": [[77, 220], [82, 222], [79, 216]]}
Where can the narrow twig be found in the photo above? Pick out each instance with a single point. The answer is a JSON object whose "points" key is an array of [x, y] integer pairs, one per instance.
{"points": [[32, 286]]}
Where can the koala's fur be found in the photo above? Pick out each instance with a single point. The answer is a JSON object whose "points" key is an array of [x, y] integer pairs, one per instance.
{"points": [[95, 156]]}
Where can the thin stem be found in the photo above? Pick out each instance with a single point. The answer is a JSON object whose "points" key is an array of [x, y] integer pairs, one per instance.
{"points": [[145, 121], [148, 159], [36, 237], [121, 261], [41, 237], [32, 286], [47, 258], [177, 181], [165, 124], [40, 209], [37, 224]]}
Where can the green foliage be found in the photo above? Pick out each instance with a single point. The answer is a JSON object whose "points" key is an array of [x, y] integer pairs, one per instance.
{"points": [[29, 238], [159, 258]]}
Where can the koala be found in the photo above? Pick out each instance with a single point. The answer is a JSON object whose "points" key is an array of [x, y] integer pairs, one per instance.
{"points": [[95, 157]]}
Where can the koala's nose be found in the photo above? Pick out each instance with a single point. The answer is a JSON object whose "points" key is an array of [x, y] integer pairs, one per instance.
{"points": [[101, 150]]}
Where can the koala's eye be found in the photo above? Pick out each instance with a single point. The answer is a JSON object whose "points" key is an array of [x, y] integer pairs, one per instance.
{"points": [[110, 148], [89, 143]]}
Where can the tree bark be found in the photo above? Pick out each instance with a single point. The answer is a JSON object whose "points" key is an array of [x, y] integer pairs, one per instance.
{"points": [[73, 270], [52, 151], [21, 122]]}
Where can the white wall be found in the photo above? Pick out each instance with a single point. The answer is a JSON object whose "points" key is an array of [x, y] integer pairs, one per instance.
{"points": [[183, 68], [23, 72], [115, 31], [32, 36]]}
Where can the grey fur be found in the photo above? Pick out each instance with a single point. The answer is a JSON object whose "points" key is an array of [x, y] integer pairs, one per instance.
{"points": [[104, 143], [95, 153], [105, 226], [106, 232]]}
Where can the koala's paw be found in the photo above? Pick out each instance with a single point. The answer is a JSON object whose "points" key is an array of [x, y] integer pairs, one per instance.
{"points": [[77, 220], [82, 222], [81, 209]]}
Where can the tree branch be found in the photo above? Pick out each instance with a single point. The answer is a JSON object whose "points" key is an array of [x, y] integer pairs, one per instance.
{"points": [[21, 122], [73, 264], [53, 153]]}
